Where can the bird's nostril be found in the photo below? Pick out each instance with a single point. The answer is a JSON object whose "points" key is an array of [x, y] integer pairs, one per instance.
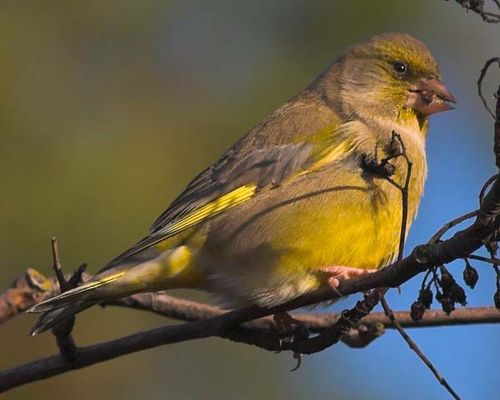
{"points": [[426, 96]]}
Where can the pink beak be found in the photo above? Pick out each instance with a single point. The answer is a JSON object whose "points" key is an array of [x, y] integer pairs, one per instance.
{"points": [[429, 96]]}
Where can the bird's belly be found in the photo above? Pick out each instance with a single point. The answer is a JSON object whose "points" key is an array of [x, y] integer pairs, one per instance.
{"points": [[273, 247]]}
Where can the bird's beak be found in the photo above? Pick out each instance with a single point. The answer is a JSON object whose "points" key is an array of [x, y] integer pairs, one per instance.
{"points": [[429, 96]]}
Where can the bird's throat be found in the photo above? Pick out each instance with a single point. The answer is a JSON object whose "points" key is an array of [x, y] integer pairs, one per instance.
{"points": [[409, 118]]}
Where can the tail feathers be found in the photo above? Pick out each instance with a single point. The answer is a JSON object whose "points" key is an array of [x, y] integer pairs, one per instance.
{"points": [[51, 318], [64, 305], [73, 295]]}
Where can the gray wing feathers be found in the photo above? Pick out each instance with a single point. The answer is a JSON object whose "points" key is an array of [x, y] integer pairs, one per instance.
{"points": [[261, 167]]}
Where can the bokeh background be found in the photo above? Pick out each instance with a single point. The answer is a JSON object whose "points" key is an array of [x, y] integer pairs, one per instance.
{"points": [[108, 108]]}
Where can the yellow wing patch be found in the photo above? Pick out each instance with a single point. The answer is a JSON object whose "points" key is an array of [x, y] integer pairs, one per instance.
{"points": [[226, 201], [338, 152]]}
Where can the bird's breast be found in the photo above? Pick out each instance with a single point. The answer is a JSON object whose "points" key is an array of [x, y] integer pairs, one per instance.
{"points": [[337, 216]]}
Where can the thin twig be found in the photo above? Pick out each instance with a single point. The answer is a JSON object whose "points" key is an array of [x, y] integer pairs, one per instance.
{"points": [[489, 260], [404, 197], [56, 264], [417, 350], [446, 227], [477, 6], [484, 70], [62, 331], [388, 311], [486, 186]]}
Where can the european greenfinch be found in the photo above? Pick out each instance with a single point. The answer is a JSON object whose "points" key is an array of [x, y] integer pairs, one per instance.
{"points": [[291, 206]]}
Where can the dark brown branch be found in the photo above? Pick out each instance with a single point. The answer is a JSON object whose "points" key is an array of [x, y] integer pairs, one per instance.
{"points": [[260, 332], [438, 318], [488, 260], [188, 310], [269, 340], [24, 294], [348, 320]]}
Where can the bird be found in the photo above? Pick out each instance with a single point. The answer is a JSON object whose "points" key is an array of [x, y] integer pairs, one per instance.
{"points": [[296, 204]]}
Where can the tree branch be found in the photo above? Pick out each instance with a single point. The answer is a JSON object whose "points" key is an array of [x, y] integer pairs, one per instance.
{"points": [[478, 6], [422, 257], [24, 292], [256, 333], [33, 287], [189, 310]]}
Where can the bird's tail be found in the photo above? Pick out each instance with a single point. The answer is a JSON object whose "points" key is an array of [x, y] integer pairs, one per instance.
{"points": [[64, 305], [171, 269], [48, 319]]}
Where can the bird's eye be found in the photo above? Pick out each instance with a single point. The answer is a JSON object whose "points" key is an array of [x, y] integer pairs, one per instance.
{"points": [[400, 67]]}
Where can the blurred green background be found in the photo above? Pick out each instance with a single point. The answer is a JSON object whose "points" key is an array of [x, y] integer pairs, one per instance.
{"points": [[108, 108]]}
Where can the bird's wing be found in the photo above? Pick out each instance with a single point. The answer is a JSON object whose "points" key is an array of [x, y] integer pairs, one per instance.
{"points": [[235, 178], [258, 168]]}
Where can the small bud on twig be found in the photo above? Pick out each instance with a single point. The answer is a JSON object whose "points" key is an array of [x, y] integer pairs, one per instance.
{"points": [[470, 275]]}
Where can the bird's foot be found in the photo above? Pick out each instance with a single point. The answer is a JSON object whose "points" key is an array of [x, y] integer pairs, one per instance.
{"points": [[285, 323], [337, 273], [291, 329]]}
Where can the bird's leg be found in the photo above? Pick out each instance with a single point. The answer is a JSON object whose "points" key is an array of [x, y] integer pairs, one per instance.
{"points": [[337, 273], [285, 325]]}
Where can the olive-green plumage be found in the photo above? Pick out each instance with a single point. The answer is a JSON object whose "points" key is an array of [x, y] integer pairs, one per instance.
{"points": [[293, 195]]}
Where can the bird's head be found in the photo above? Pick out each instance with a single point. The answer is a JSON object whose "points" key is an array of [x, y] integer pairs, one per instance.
{"points": [[392, 75]]}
